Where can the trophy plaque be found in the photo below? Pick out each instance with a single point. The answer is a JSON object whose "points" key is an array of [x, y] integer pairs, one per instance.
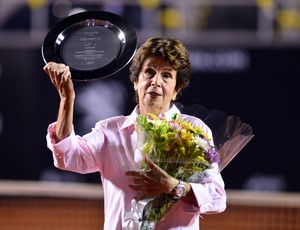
{"points": [[94, 44]]}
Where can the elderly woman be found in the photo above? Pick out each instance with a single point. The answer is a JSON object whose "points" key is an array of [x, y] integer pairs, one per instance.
{"points": [[160, 70]]}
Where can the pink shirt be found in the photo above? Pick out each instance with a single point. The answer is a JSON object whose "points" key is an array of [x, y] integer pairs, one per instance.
{"points": [[110, 149]]}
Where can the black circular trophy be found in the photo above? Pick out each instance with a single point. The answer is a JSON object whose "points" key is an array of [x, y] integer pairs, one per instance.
{"points": [[94, 44]]}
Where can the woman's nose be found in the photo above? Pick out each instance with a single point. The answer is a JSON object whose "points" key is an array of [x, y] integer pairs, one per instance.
{"points": [[156, 80]]}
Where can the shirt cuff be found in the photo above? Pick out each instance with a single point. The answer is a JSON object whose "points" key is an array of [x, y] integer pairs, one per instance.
{"points": [[51, 137], [210, 198]]}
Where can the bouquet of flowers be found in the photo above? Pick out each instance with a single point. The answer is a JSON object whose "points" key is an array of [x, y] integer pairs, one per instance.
{"points": [[183, 151], [175, 146]]}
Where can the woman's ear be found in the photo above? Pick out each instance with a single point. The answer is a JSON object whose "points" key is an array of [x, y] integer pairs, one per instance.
{"points": [[135, 86], [175, 95]]}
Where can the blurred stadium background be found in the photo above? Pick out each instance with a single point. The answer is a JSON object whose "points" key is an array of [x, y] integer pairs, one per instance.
{"points": [[245, 56]]}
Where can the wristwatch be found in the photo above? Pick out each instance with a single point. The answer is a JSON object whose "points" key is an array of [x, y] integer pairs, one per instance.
{"points": [[179, 190]]}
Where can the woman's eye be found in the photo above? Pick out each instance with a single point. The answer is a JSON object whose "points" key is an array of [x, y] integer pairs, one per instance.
{"points": [[166, 75], [150, 72]]}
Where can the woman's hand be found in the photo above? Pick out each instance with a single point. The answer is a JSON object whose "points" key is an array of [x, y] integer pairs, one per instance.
{"points": [[151, 182], [60, 76]]}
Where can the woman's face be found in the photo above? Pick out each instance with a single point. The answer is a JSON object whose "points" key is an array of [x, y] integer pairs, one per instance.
{"points": [[156, 86]]}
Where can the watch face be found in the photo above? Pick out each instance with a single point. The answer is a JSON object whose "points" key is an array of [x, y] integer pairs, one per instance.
{"points": [[180, 190]]}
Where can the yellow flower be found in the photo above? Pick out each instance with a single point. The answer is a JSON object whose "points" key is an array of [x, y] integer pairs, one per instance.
{"points": [[186, 135]]}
